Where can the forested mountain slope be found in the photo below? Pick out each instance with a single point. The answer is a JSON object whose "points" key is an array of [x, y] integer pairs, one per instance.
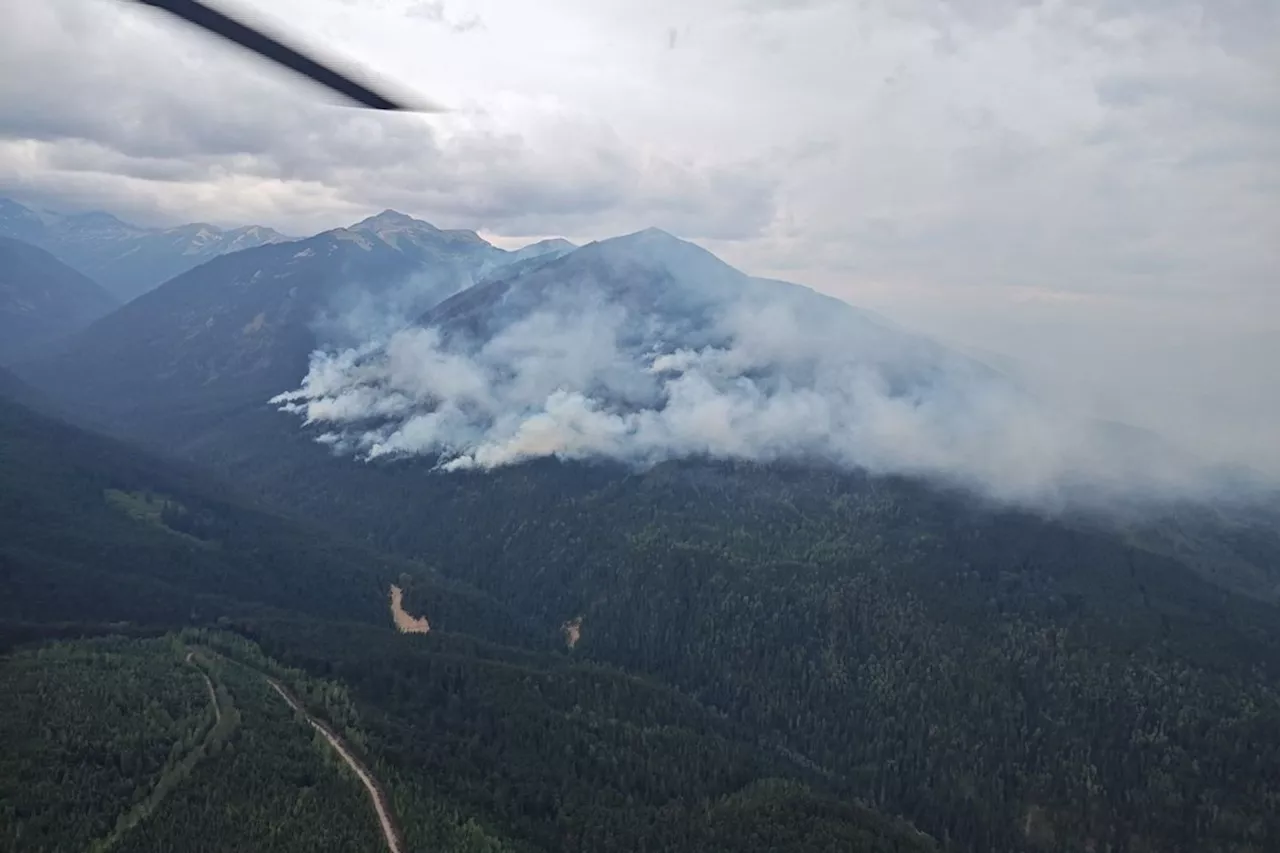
{"points": [[481, 746], [42, 300], [14, 390], [96, 531], [980, 671], [999, 678]]}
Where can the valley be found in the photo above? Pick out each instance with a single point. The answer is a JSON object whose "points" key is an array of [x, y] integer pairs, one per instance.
{"points": [[600, 547], [43, 301]]}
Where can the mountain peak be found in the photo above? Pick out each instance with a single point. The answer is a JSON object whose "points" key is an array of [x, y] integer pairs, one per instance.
{"points": [[655, 249], [550, 243], [17, 220], [99, 219], [11, 207], [255, 231], [651, 239], [392, 219], [653, 233], [392, 226], [125, 258], [552, 247]]}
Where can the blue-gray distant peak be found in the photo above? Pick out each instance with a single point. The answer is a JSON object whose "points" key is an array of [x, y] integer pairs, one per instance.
{"points": [[550, 244], [393, 218], [126, 259], [392, 225]]}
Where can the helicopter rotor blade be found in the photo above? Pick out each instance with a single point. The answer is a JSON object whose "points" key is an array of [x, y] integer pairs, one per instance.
{"points": [[202, 15]]}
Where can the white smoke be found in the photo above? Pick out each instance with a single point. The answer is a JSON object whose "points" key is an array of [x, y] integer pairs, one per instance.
{"points": [[788, 375]]}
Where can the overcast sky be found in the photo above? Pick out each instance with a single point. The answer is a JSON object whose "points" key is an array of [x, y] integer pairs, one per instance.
{"points": [[1090, 187]]}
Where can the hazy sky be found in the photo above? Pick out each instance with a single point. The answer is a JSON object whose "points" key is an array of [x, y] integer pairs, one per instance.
{"points": [[1090, 187]]}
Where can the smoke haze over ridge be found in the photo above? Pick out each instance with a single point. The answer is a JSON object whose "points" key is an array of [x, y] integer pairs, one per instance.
{"points": [[644, 348], [1088, 189]]}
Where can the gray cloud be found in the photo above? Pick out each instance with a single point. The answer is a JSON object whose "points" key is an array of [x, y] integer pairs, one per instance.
{"points": [[1091, 188], [1239, 26], [140, 115], [434, 11], [431, 10]]}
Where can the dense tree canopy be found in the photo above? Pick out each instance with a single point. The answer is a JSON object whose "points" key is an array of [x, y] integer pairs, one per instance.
{"points": [[763, 658]]}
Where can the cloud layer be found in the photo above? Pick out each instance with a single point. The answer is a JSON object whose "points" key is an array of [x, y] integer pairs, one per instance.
{"points": [[106, 104]]}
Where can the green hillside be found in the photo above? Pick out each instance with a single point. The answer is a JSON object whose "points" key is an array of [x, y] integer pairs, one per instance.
{"points": [[94, 531], [484, 735], [1003, 679]]}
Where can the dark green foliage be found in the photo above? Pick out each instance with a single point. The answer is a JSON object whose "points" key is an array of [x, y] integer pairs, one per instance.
{"points": [[113, 744], [274, 785], [478, 754], [484, 746], [94, 531], [1001, 680], [558, 755], [15, 390], [777, 814], [88, 728]]}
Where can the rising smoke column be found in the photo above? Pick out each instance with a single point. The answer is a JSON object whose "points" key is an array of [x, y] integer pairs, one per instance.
{"points": [[647, 349]]}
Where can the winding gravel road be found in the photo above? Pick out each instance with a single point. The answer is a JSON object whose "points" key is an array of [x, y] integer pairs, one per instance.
{"points": [[389, 831]]}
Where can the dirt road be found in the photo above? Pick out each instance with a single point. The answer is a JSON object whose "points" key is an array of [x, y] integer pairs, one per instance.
{"points": [[174, 772], [389, 830], [213, 694]]}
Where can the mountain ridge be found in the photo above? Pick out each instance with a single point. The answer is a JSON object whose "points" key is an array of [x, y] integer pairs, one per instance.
{"points": [[240, 327], [126, 259], [42, 300]]}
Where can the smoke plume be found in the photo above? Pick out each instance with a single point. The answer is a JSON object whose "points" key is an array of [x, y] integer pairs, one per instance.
{"points": [[649, 352]]}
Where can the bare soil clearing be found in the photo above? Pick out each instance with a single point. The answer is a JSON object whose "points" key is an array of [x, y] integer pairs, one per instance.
{"points": [[572, 631], [405, 623]]}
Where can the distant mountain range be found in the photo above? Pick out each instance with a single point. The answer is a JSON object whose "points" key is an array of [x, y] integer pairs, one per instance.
{"points": [[128, 260], [705, 359], [239, 329], [42, 300]]}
